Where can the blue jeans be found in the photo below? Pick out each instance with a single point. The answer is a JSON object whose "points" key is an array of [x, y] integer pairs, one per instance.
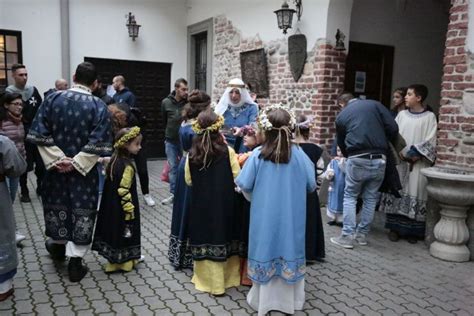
{"points": [[363, 177], [12, 184], [173, 153]]}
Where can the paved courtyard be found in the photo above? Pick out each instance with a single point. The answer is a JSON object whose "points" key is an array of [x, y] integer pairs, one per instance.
{"points": [[383, 278]]}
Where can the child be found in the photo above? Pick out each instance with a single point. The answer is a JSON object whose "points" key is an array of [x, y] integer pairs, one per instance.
{"points": [[211, 167], [315, 249], [398, 101], [335, 174], [277, 176], [417, 126], [179, 252], [117, 233], [252, 139]]}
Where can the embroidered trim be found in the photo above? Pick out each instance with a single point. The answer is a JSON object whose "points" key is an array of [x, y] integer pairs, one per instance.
{"points": [[216, 252], [79, 168], [289, 270], [98, 149], [409, 206], [427, 150], [114, 255], [179, 253], [39, 139]]}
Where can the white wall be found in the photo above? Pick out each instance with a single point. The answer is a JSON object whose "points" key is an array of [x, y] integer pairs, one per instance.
{"points": [[98, 30], [339, 17], [418, 33], [39, 23], [254, 17]]}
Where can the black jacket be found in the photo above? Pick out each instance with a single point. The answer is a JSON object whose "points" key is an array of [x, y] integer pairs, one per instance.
{"points": [[365, 126]]}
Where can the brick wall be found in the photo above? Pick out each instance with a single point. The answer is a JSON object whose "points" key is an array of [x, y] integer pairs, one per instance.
{"points": [[315, 92], [456, 115]]}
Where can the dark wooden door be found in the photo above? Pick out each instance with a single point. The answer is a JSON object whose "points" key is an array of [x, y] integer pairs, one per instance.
{"points": [[150, 82], [369, 69]]}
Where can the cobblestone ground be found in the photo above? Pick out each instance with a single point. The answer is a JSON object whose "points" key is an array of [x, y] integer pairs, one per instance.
{"points": [[383, 278]]}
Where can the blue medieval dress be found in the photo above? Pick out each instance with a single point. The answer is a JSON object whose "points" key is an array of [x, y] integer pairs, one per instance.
{"points": [[74, 124], [238, 116], [179, 252], [336, 191], [276, 257], [11, 165]]}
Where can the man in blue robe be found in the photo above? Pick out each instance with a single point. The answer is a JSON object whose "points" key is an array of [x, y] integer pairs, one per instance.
{"points": [[72, 130]]}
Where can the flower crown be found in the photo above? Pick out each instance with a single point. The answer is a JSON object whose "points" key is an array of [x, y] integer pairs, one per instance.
{"points": [[266, 125], [131, 134], [213, 128]]}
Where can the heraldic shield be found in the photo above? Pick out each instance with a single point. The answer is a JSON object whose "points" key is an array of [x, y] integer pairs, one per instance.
{"points": [[297, 54]]}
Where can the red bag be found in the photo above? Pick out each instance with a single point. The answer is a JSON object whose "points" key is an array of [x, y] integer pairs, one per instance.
{"points": [[165, 172]]}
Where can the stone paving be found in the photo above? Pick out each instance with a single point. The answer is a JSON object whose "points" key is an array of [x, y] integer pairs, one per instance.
{"points": [[383, 278]]}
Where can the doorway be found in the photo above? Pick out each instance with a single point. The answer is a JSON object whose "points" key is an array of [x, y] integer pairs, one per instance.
{"points": [[369, 69], [150, 82]]}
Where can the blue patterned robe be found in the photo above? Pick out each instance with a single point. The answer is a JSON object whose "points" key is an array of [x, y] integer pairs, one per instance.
{"points": [[75, 122]]}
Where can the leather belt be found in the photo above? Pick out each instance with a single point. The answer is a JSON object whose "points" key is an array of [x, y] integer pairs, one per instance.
{"points": [[371, 156]]}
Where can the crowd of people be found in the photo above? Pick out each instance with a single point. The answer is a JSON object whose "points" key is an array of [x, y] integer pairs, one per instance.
{"points": [[243, 180]]}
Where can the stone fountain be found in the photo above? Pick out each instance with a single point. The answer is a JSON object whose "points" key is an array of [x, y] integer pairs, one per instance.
{"points": [[454, 191]]}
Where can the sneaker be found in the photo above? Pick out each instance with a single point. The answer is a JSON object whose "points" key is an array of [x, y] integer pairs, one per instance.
{"points": [[168, 200], [149, 200], [141, 259], [24, 198], [361, 239], [19, 238], [343, 241]]}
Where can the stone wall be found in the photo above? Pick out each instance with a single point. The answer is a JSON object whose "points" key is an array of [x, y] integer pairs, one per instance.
{"points": [[314, 93], [456, 119]]}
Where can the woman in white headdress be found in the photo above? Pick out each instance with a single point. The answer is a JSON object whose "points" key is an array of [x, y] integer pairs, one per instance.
{"points": [[238, 109]]}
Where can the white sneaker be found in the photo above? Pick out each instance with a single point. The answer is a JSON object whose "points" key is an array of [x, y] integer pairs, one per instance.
{"points": [[149, 200], [168, 200], [19, 238], [141, 259]]}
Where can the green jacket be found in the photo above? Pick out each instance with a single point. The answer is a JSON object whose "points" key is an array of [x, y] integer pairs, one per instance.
{"points": [[171, 112]]}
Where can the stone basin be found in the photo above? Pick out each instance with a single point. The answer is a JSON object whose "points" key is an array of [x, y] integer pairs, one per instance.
{"points": [[454, 191]]}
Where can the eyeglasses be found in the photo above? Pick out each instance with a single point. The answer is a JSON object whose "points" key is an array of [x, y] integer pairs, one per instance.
{"points": [[17, 103]]}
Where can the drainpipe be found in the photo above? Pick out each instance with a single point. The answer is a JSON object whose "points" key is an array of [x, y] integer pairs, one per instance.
{"points": [[65, 45]]}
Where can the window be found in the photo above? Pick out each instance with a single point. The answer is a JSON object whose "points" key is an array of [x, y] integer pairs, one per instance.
{"points": [[10, 53], [200, 65], [200, 55]]}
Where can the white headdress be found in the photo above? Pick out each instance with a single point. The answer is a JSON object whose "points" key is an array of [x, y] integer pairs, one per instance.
{"points": [[225, 101]]}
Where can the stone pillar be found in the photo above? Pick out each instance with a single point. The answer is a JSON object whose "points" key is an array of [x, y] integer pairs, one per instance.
{"points": [[456, 115]]}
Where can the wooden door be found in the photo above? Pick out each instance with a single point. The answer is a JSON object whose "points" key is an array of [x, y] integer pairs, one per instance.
{"points": [[150, 82], [369, 69]]}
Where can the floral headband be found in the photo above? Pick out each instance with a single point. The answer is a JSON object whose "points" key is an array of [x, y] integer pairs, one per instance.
{"points": [[266, 125], [131, 134], [213, 128]]}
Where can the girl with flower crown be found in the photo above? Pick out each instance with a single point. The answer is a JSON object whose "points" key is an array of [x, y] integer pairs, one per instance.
{"points": [[117, 232], [210, 169], [277, 177]]}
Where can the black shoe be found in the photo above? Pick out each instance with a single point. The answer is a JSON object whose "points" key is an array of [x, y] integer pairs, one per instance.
{"points": [[339, 224], [77, 271], [393, 236], [56, 251], [332, 223], [412, 239], [25, 198]]}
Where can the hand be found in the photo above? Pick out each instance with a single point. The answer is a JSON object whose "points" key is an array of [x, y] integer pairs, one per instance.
{"points": [[237, 132], [104, 160], [64, 165]]}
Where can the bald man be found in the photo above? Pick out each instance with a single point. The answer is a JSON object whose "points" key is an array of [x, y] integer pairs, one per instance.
{"points": [[123, 95], [60, 84]]}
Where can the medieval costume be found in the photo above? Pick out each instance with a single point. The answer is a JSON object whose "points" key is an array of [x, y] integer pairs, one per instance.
{"points": [[213, 225], [117, 233], [315, 249], [179, 252], [11, 165], [74, 124], [406, 215], [236, 114], [276, 257]]}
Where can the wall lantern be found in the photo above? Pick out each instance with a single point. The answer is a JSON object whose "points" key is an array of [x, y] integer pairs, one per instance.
{"points": [[285, 14], [132, 26]]}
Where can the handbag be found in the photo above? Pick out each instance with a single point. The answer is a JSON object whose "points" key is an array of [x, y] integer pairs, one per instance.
{"points": [[165, 172]]}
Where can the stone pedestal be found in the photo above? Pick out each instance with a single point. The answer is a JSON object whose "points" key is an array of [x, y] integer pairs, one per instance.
{"points": [[470, 227], [453, 190]]}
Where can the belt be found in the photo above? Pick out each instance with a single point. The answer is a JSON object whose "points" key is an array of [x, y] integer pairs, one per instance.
{"points": [[2, 178], [370, 156]]}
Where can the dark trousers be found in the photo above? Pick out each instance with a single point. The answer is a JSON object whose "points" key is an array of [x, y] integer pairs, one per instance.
{"points": [[142, 170], [34, 161]]}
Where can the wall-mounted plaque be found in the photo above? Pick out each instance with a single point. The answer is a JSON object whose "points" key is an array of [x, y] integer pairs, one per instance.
{"points": [[297, 54], [254, 71]]}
